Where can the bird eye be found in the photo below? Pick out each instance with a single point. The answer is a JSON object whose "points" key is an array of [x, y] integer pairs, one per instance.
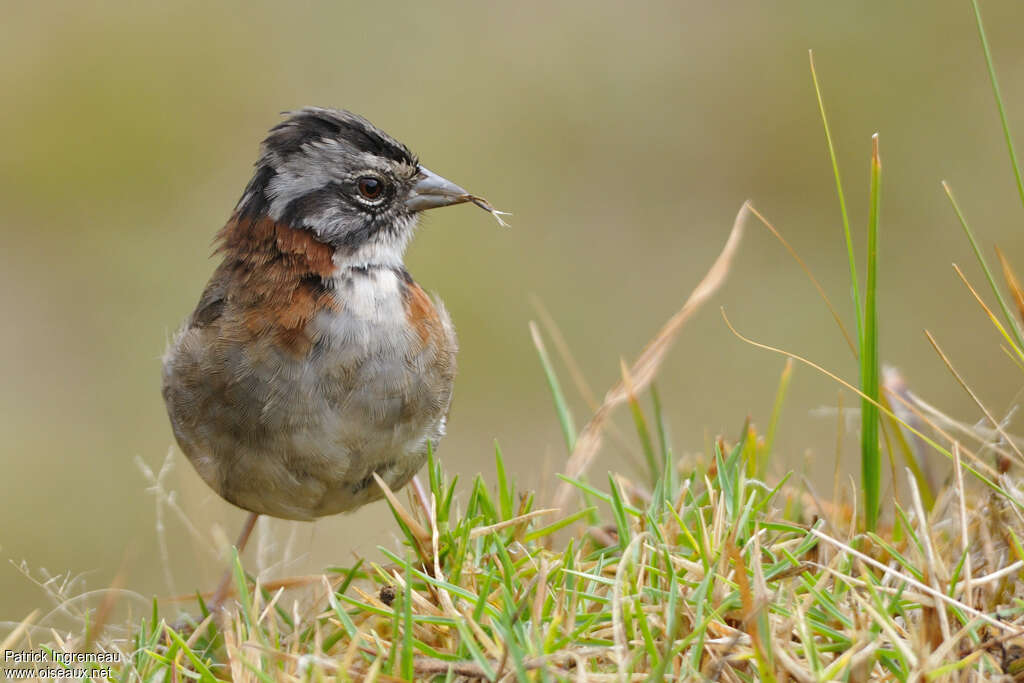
{"points": [[370, 187]]}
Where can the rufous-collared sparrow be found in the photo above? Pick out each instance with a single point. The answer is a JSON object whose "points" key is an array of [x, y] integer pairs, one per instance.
{"points": [[313, 360]]}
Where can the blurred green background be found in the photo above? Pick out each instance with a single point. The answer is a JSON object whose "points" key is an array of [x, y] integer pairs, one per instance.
{"points": [[624, 138]]}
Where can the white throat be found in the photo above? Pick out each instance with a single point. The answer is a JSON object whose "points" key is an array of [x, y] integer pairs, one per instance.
{"points": [[382, 250]]}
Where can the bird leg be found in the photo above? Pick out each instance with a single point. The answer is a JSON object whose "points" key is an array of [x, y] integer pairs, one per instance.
{"points": [[225, 583]]}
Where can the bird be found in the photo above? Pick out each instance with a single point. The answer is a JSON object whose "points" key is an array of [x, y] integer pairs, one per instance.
{"points": [[313, 361]]}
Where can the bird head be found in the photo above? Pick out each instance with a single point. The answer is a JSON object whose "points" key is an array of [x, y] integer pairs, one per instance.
{"points": [[352, 185]]}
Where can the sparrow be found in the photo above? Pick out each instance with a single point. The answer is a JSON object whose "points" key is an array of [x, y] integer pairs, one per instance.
{"points": [[313, 360]]}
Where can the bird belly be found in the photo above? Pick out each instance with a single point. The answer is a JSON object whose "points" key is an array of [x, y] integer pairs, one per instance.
{"points": [[301, 438]]}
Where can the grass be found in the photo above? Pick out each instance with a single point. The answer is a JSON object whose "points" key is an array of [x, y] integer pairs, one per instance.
{"points": [[706, 573], [696, 568], [866, 317], [870, 449]]}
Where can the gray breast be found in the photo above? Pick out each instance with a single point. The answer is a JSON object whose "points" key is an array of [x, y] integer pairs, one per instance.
{"points": [[300, 438]]}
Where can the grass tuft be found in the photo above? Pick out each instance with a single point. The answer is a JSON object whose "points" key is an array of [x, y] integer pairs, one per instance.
{"points": [[709, 574]]}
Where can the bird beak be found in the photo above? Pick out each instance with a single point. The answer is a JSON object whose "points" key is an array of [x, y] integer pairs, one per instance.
{"points": [[432, 191]]}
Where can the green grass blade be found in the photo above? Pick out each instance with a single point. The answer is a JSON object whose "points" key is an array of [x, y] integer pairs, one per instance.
{"points": [[870, 454], [999, 100], [201, 668], [1007, 314], [780, 399], [839, 191], [559, 525], [561, 407], [407, 652], [644, 433], [469, 642], [505, 491], [619, 512]]}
